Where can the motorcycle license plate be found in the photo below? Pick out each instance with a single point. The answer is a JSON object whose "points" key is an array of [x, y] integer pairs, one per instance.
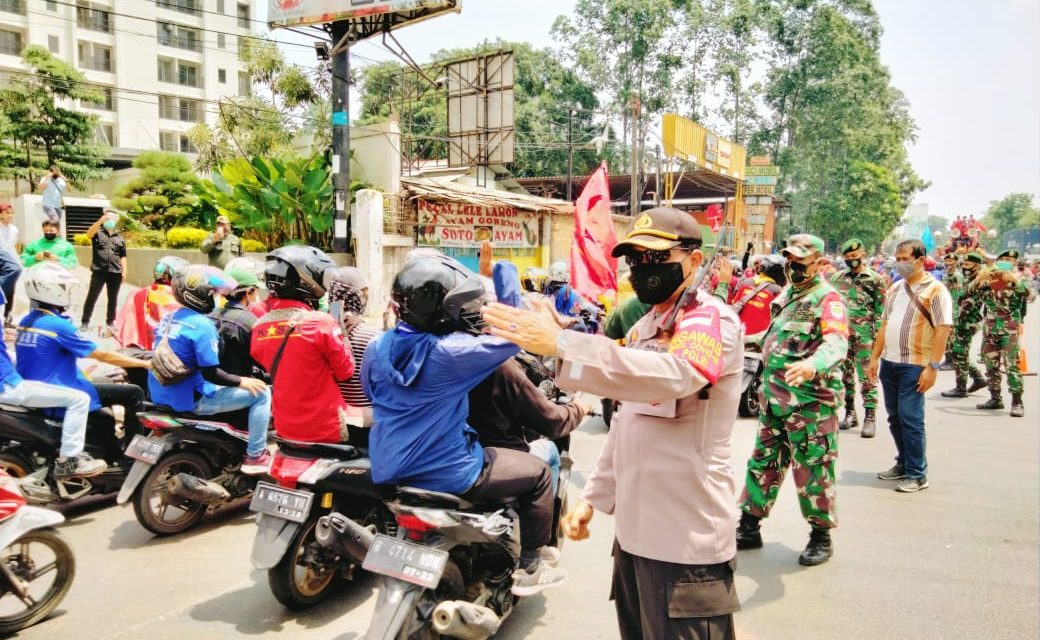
{"points": [[406, 561], [145, 449], [287, 504]]}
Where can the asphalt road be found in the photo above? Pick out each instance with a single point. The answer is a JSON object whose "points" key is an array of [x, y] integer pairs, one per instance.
{"points": [[960, 560]]}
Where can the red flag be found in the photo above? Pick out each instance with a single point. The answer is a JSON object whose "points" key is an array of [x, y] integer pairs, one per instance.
{"points": [[593, 269]]}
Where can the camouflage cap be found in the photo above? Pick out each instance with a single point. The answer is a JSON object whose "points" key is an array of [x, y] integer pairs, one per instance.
{"points": [[975, 257], [852, 244], [1009, 253], [659, 229], [803, 245]]}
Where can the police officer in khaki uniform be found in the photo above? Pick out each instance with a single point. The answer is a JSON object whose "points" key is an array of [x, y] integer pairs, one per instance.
{"points": [[665, 471]]}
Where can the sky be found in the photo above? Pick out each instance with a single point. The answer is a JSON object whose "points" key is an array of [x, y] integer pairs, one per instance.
{"points": [[970, 70]]}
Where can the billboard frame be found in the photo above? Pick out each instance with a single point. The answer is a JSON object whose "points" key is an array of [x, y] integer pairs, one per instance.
{"points": [[368, 17]]}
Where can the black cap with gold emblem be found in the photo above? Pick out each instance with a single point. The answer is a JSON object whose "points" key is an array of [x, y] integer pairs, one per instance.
{"points": [[660, 229]]}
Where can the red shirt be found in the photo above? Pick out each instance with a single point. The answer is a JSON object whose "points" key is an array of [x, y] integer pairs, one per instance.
{"points": [[307, 400]]}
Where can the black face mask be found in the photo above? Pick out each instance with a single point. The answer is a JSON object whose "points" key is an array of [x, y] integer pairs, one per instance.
{"points": [[969, 273], [655, 283], [796, 272], [853, 263], [50, 236]]}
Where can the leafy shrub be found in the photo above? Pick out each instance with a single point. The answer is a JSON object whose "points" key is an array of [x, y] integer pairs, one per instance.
{"points": [[253, 246], [145, 238], [81, 239], [185, 237]]}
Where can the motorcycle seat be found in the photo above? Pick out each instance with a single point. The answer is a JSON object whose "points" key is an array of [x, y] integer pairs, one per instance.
{"points": [[335, 450], [416, 497], [12, 408]]}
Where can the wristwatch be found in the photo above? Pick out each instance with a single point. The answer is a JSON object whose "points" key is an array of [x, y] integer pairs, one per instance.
{"points": [[935, 365]]}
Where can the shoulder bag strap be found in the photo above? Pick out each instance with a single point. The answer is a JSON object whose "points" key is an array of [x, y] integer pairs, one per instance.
{"points": [[281, 350], [917, 303], [738, 306]]}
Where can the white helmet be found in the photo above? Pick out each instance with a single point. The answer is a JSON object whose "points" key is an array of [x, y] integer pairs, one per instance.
{"points": [[559, 271], [50, 283]]}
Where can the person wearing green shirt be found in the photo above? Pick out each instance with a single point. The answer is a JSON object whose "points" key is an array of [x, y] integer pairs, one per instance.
{"points": [[50, 247]]}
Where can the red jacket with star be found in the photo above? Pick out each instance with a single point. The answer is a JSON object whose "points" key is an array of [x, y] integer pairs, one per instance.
{"points": [[307, 401]]}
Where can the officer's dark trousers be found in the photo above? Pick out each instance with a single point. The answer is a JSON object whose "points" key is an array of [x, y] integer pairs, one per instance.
{"points": [[518, 474], [109, 281], [658, 600]]}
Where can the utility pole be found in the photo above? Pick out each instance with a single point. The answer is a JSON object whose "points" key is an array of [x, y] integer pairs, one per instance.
{"points": [[657, 180], [634, 195], [570, 154], [340, 134]]}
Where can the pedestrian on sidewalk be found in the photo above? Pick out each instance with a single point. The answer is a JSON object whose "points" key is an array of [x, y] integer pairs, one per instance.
{"points": [[801, 391], [222, 245], [1005, 296], [908, 350], [10, 265], [107, 267], [864, 292], [54, 187]]}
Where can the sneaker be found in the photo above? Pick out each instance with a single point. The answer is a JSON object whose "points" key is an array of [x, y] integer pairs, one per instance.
{"points": [[257, 465], [543, 577], [79, 466], [912, 485], [549, 555], [897, 472]]}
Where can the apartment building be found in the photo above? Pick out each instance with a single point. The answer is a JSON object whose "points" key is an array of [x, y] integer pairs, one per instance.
{"points": [[160, 65]]}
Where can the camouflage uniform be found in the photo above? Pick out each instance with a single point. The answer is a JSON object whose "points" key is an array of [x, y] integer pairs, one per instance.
{"points": [[864, 294], [1005, 306], [799, 424]]}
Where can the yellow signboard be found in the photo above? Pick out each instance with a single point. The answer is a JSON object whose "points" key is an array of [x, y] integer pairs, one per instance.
{"points": [[685, 139], [759, 190]]}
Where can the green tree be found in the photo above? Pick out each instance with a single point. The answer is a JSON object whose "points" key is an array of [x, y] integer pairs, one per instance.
{"points": [[163, 194], [36, 132], [1013, 211], [289, 102]]}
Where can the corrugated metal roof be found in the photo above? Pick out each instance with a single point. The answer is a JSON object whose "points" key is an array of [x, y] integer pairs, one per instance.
{"points": [[449, 189]]}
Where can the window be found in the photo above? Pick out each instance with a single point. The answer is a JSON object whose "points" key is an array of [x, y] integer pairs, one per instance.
{"points": [[96, 57], [221, 42], [179, 72], [245, 87], [10, 42], [106, 103], [53, 44], [172, 35], [222, 76], [93, 19], [183, 109], [193, 7], [107, 134], [169, 141], [186, 146], [220, 6], [51, 5], [243, 16], [13, 6]]}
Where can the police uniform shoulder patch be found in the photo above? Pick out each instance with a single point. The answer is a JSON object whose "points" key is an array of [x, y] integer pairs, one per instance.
{"points": [[837, 309]]}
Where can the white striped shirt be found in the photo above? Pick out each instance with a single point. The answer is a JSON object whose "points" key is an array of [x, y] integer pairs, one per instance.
{"points": [[908, 333]]}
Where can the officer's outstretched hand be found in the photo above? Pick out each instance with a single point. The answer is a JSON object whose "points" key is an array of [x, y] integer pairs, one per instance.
{"points": [[576, 522], [533, 330]]}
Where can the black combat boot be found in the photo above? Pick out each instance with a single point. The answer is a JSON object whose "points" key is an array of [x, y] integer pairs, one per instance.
{"points": [[977, 383], [994, 402], [960, 391], [850, 421], [819, 549], [869, 427], [749, 533], [1017, 408]]}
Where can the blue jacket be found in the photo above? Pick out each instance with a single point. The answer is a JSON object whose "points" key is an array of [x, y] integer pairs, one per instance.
{"points": [[419, 385]]}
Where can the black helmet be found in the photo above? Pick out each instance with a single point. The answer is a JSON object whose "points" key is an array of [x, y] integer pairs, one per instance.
{"points": [[165, 266], [194, 286], [773, 266], [297, 272], [438, 295]]}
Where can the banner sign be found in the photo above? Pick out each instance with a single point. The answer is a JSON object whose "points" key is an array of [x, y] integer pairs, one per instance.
{"points": [[760, 180], [759, 209], [759, 190], [456, 224], [770, 170], [758, 161], [283, 13], [756, 219]]}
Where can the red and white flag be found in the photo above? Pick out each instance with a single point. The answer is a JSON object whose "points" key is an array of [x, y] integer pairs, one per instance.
{"points": [[593, 269]]}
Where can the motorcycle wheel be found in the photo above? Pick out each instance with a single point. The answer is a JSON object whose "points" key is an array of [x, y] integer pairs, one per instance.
{"points": [[749, 406], [14, 465], [451, 587], [35, 555], [298, 585], [152, 502]]}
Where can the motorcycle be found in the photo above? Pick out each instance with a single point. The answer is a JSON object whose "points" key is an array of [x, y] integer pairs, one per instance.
{"points": [[184, 467], [314, 480], [751, 382], [36, 565], [29, 443]]}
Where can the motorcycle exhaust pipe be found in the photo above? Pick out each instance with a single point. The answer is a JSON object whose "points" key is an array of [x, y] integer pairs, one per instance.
{"points": [[344, 536], [187, 486], [465, 620]]}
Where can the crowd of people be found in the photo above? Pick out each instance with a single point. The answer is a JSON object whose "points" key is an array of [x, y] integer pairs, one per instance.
{"points": [[440, 402]]}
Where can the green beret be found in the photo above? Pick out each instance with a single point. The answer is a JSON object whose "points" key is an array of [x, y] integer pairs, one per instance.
{"points": [[1009, 253], [975, 257], [853, 244]]}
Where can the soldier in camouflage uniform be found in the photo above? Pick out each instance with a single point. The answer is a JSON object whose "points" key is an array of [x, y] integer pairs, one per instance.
{"points": [[864, 293], [967, 311], [801, 392], [1004, 295]]}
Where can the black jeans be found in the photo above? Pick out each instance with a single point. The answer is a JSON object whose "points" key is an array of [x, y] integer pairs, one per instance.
{"points": [[128, 396], [111, 282], [517, 474]]}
